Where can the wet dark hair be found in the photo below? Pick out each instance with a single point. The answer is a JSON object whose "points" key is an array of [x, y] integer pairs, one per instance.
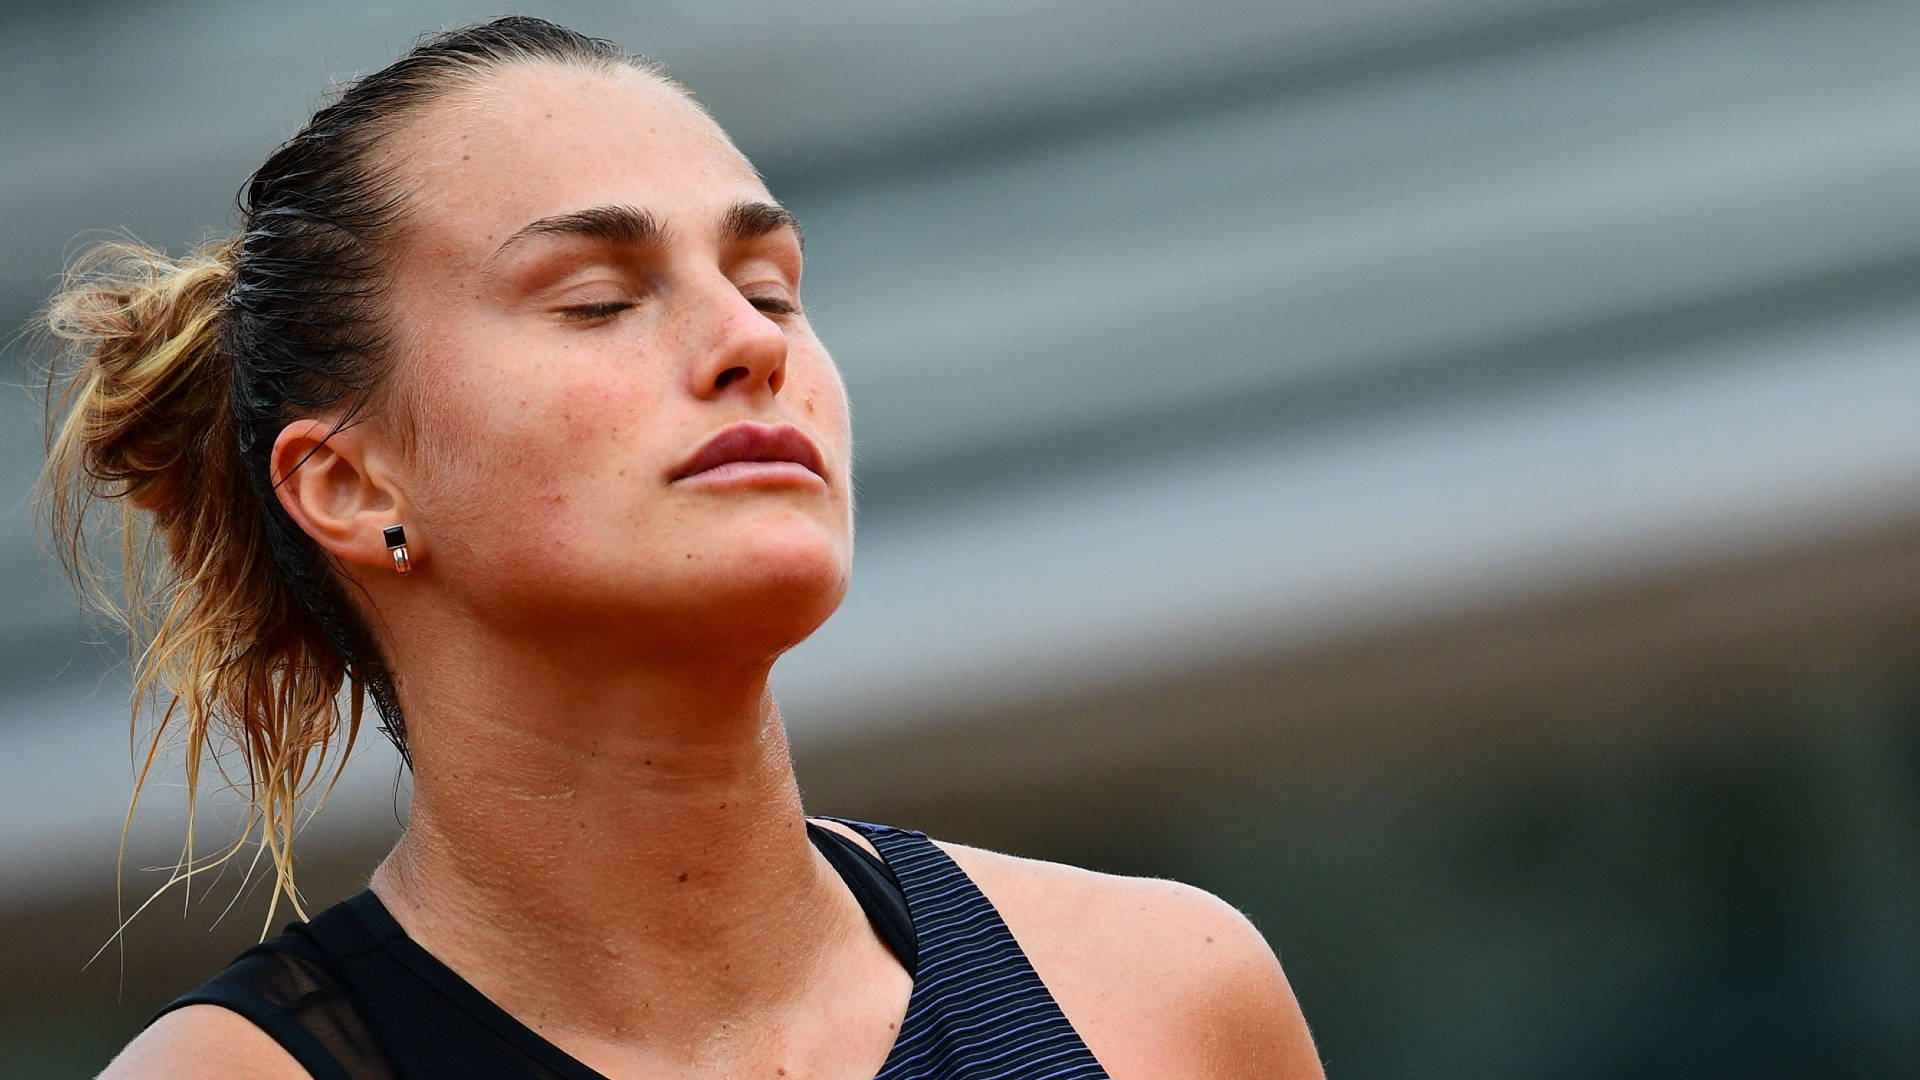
{"points": [[178, 377]]}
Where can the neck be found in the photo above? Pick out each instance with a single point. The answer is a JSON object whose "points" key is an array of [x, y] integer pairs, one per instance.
{"points": [[639, 831]]}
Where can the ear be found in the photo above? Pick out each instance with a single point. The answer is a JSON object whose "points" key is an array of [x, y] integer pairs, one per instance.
{"points": [[334, 485]]}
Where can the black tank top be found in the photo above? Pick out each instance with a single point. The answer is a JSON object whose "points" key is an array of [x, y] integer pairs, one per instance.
{"points": [[351, 997]]}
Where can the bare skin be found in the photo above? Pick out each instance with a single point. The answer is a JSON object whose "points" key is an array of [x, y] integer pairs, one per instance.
{"points": [[606, 837]]}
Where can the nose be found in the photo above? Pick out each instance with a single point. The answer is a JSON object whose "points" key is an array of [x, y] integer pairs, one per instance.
{"points": [[744, 350]]}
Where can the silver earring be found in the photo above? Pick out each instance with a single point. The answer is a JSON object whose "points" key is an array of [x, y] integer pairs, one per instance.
{"points": [[396, 537]]}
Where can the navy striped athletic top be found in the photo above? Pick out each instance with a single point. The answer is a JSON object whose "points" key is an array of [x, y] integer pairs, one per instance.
{"points": [[351, 997]]}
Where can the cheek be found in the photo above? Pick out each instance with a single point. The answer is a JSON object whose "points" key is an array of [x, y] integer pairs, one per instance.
{"points": [[821, 397], [511, 457], [540, 420]]}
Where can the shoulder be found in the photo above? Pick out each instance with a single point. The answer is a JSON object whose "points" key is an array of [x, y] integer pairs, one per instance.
{"points": [[203, 1042], [1114, 949]]}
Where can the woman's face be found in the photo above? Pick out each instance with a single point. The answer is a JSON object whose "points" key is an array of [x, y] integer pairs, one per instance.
{"points": [[592, 286]]}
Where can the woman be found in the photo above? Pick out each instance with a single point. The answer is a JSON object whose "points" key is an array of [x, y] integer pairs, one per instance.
{"points": [[503, 409]]}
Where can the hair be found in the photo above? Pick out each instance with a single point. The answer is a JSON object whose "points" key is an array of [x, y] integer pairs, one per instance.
{"points": [[170, 381]]}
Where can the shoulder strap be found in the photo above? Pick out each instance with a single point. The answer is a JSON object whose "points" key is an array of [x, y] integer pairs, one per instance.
{"points": [[979, 1009], [299, 1004], [878, 890], [433, 1024]]}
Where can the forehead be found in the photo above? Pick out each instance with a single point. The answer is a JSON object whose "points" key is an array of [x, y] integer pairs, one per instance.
{"points": [[529, 141]]}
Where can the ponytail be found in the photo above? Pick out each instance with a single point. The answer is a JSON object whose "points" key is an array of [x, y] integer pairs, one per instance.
{"points": [[140, 415]]}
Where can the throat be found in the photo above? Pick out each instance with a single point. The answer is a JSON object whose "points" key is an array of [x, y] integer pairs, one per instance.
{"points": [[690, 904]]}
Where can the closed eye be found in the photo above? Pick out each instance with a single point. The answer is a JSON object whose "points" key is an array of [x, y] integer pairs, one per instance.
{"points": [[773, 305], [589, 312]]}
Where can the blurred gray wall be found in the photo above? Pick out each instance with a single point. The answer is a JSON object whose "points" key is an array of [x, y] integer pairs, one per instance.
{"points": [[1445, 476]]}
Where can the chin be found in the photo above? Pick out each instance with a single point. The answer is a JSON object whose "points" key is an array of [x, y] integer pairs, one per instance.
{"points": [[791, 591], [769, 594]]}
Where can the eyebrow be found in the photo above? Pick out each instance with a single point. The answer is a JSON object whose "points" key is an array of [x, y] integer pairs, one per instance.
{"points": [[631, 226], [747, 220]]}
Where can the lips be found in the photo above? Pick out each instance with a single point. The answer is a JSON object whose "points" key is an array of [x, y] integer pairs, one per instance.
{"points": [[751, 442]]}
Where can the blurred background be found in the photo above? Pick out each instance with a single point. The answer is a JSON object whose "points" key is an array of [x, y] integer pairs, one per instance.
{"points": [[1443, 476]]}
